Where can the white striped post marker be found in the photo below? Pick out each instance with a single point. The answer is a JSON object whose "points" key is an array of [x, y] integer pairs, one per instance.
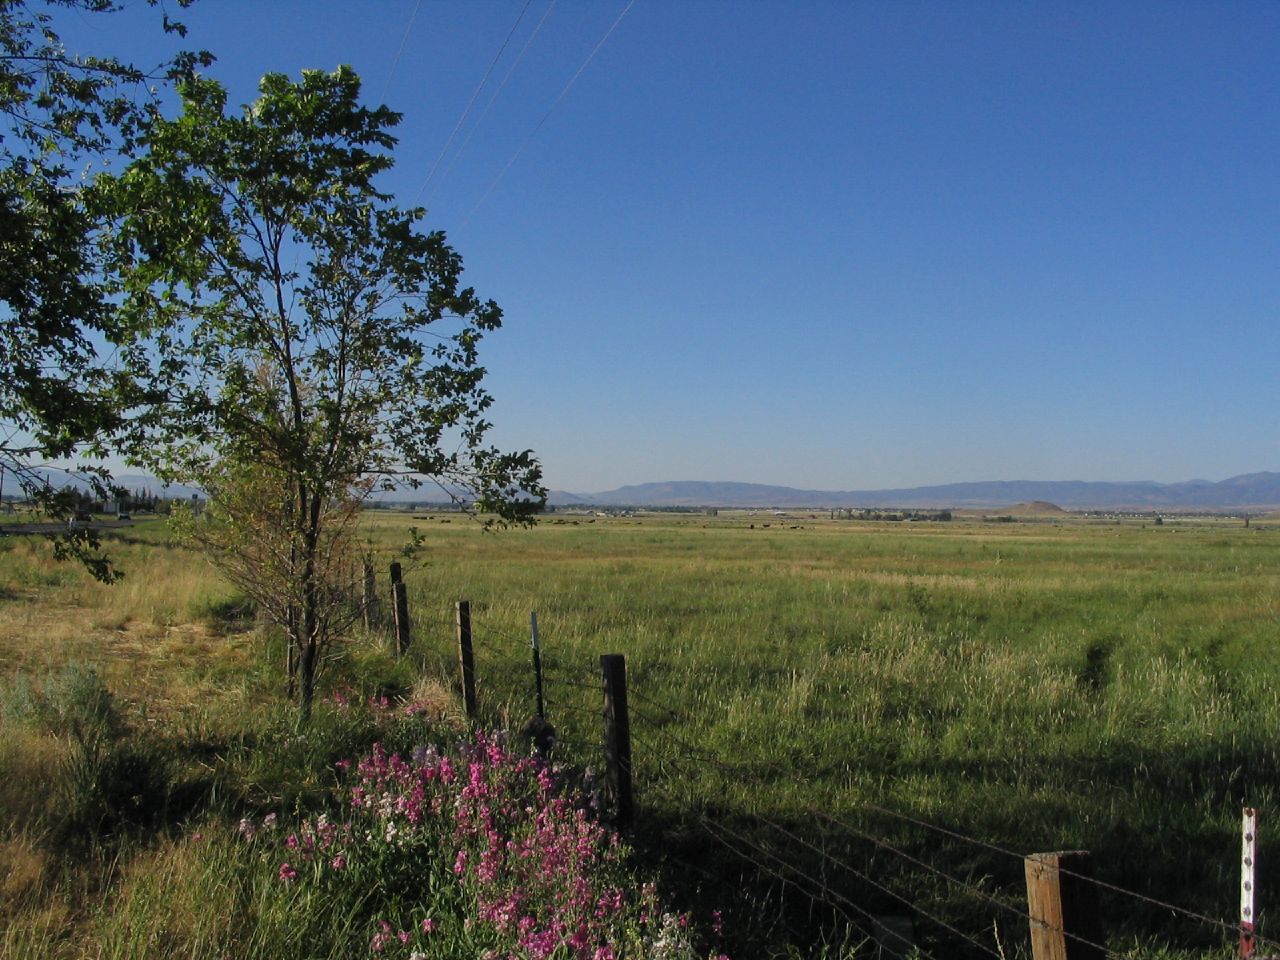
{"points": [[1248, 860]]}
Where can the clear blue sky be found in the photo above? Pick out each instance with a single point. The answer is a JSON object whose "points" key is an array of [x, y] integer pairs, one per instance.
{"points": [[835, 245]]}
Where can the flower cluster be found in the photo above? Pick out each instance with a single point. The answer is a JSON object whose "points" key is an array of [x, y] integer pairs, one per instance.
{"points": [[484, 852]]}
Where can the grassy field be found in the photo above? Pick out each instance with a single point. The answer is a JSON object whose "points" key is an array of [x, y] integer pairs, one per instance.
{"points": [[809, 693]]}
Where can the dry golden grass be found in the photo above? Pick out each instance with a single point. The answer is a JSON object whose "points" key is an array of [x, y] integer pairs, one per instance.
{"points": [[29, 772], [154, 637], [437, 699], [23, 865]]}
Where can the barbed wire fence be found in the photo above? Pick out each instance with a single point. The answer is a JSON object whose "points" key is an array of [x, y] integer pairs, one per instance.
{"points": [[811, 854]]}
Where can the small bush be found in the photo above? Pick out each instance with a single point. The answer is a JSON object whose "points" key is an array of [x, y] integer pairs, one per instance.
{"points": [[107, 781]]}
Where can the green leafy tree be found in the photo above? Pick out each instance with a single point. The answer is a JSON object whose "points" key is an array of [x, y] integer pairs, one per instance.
{"points": [[312, 340], [59, 394]]}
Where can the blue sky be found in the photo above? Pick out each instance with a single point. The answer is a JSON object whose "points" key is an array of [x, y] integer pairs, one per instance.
{"points": [[834, 245]]}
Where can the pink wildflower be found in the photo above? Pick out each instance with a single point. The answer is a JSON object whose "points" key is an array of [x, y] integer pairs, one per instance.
{"points": [[339, 862], [428, 925], [287, 873], [609, 902]]}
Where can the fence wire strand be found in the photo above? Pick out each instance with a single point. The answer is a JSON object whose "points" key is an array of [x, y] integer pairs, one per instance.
{"points": [[1111, 887], [879, 886], [836, 900], [955, 881], [493, 652]]}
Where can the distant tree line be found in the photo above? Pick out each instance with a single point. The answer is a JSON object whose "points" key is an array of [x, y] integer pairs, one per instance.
{"points": [[126, 501], [891, 515]]}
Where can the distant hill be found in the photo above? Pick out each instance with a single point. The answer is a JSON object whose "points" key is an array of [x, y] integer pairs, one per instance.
{"points": [[130, 482], [1253, 491], [1258, 492]]}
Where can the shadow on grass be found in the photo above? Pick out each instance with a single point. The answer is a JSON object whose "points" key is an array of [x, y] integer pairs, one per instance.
{"points": [[1160, 824]]}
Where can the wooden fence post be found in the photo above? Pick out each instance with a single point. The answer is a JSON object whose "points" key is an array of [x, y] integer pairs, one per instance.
{"points": [[1063, 907], [370, 605], [536, 643], [617, 737], [466, 658], [396, 575], [400, 596]]}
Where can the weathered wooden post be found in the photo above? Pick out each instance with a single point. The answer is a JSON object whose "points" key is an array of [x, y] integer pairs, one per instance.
{"points": [[536, 643], [466, 659], [400, 597], [1062, 904], [396, 574], [617, 737], [369, 606], [1248, 861]]}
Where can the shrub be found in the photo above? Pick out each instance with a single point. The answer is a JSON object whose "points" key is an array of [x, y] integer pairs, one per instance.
{"points": [[107, 780]]}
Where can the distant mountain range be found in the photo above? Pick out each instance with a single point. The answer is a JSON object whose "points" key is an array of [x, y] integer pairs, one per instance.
{"points": [[1249, 491], [1253, 491], [130, 481]]}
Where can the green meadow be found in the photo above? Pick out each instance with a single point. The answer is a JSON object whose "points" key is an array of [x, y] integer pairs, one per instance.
{"points": [[831, 720], [1033, 686]]}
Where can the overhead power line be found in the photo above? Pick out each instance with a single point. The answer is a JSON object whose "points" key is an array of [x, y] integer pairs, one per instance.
{"points": [[403, 40], [533, 133], [470, 103], [492, 97]]}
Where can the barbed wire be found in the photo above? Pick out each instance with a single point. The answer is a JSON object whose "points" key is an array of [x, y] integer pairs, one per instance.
{"points": [[1227, 927], [493, 652], [1105, 885], [823, 887], [837, 901], [866, 878], [885, 845]]}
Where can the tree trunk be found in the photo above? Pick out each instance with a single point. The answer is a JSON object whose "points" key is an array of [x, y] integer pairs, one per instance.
{"points": [[293, 637], [310, 635], [308, 677]]}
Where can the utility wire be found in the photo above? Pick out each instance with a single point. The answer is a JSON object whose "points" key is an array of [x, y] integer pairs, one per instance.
{"points": [[567, 87], [403, 40], [821, 885], [470, 103], [1190, 914], [671, 713], [485, 112], [782, 878]]}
